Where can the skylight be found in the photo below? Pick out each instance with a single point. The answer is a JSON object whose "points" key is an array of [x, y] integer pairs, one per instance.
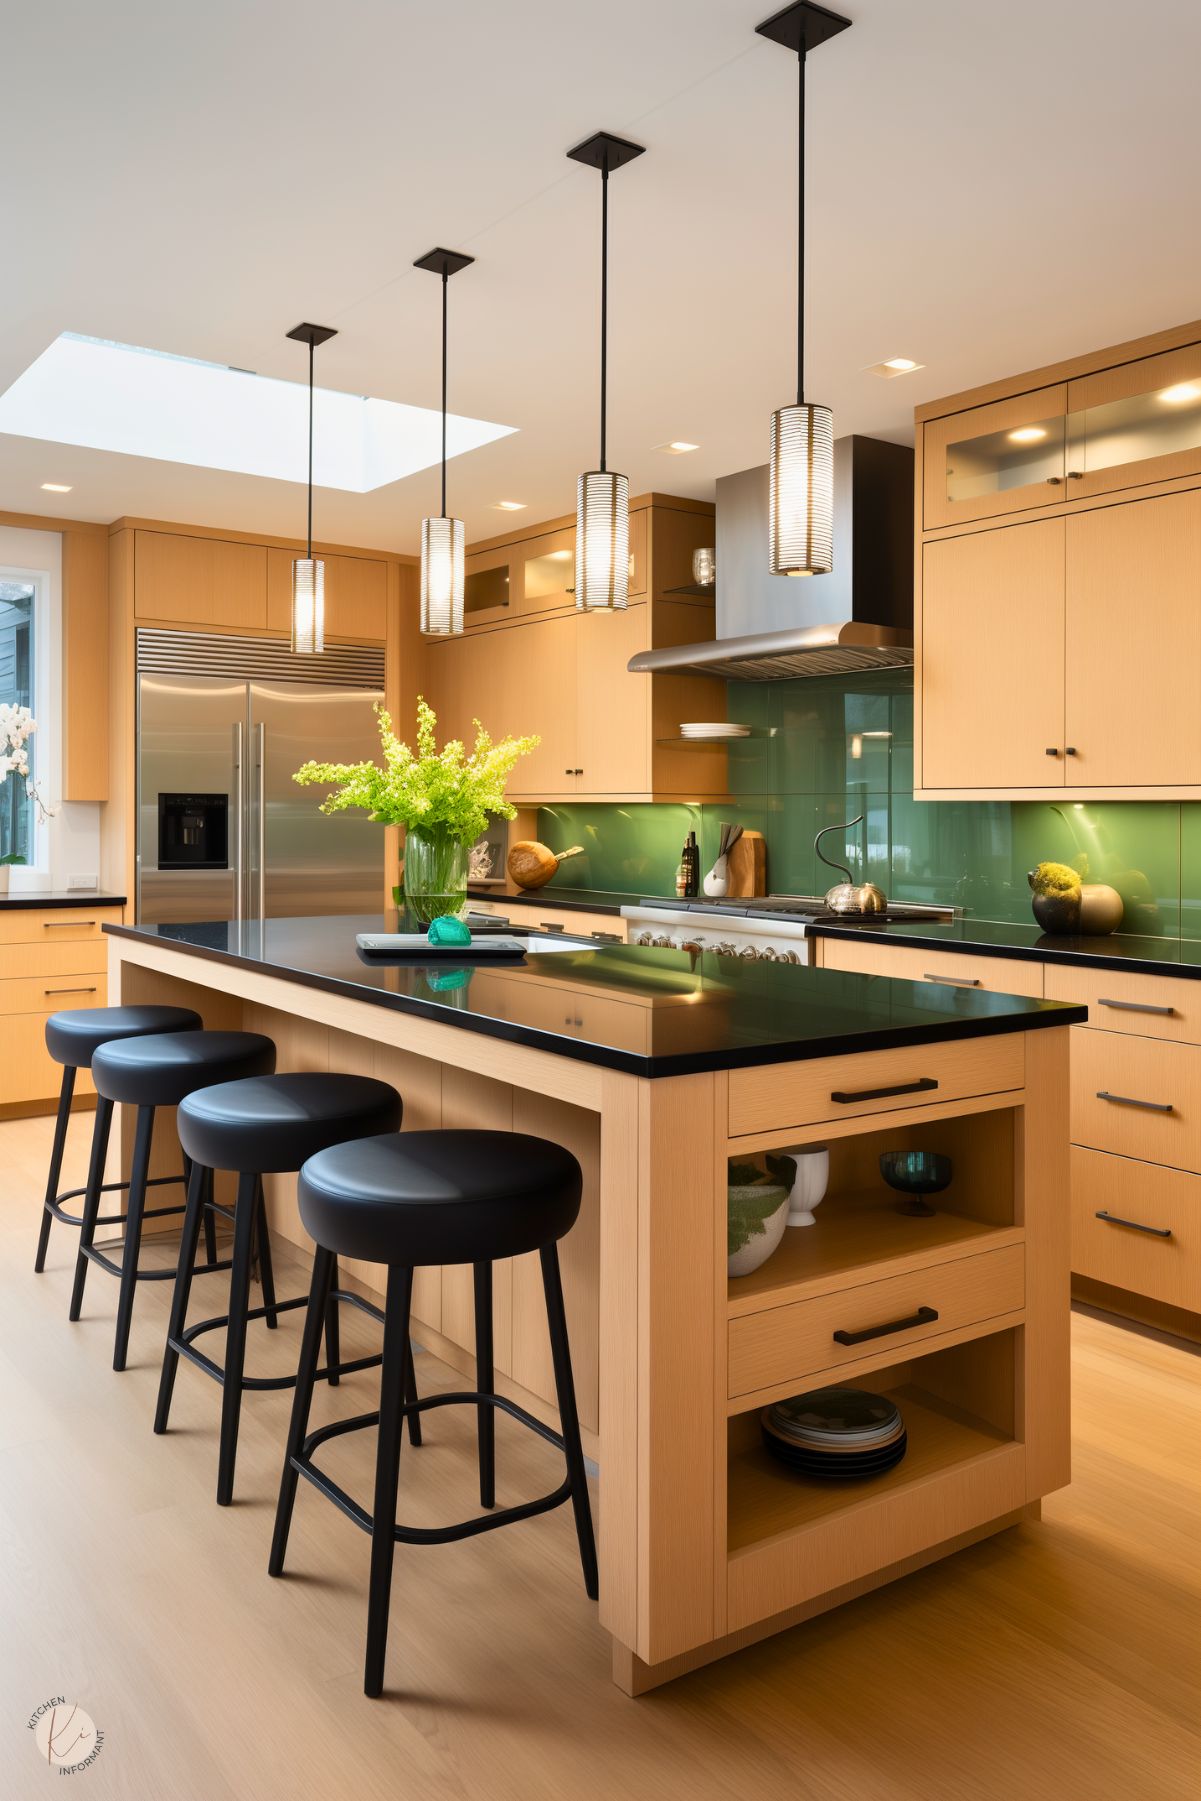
{"points": [[147, 403]]}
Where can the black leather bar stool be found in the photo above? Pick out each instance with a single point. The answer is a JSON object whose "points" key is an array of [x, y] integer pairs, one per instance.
{"points": [[260, 1127], [417, 1199], [72, 1038], [159, 1070]]}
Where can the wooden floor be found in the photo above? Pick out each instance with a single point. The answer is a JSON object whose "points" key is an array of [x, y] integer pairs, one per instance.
{"points": [[1058, 1660]]}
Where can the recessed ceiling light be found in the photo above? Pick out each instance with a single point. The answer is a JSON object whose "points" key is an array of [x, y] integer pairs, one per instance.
{"points": [[1027, 434], [178, 409], [892, 366], [510, 506], [57, 487], [1181, 393], [677, 448]]}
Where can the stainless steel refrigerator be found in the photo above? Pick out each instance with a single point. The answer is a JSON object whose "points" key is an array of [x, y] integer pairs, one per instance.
{"points": [[224, 833]]}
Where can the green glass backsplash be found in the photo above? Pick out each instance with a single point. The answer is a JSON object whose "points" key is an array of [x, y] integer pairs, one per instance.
{"points": [[827, 748]]}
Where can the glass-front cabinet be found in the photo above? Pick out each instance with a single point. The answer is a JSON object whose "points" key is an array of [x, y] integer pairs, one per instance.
{"points": [[1001, 458], [489, 593], [1140, 422], [548, 571]]}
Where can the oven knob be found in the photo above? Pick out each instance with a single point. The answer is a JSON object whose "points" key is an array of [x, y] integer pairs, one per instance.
{"points": [[767, 954], [662, 944], [789, 957], [725, 949], [644, 938], [749, 954]]}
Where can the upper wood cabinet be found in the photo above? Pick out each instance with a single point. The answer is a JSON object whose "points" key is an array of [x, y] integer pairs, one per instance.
{"points": [[199, 581], [992, 659], [1137, 423], [995, 459], [356, 596]]}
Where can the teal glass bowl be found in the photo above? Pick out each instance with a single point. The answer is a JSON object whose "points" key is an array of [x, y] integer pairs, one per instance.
{"points": [[915, 1174]]}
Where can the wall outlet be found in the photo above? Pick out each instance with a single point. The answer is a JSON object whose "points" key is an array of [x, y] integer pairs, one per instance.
{"points": [[90, 882]]}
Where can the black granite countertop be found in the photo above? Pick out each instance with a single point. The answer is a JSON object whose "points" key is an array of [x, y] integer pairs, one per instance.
{"points": [[647, 1012], [585, 900], [990, 938], [62, 897]]}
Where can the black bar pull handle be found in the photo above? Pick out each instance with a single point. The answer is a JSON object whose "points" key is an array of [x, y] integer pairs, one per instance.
{"points": [[954, 981], [1135, 1225], [1128, 1100], [1137, 1007], [847, 1097], [922, 1317]]}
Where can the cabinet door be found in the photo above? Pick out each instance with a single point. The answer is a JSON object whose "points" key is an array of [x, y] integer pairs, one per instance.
{"points": [[534, 667], [356, 596], [995, 459], [992, 659], [1140, 422], [546, 571], [489, 592], [1133, 637], [614, 707], [200, 581]]}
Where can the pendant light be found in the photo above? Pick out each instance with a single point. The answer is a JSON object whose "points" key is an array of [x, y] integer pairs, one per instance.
{"points": [[308, 573], [802, 436], [442, 569], [602, 543]]}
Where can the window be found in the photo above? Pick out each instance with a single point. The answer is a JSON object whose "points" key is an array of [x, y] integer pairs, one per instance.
{"points": [[17, 607]]}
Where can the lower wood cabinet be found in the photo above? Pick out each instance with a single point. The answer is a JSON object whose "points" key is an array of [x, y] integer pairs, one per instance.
{"points": [[1137, 1226], [952, 969], [51, 958]]}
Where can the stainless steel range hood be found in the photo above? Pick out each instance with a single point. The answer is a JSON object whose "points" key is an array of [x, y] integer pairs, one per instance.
{"points": [[776, 627]]}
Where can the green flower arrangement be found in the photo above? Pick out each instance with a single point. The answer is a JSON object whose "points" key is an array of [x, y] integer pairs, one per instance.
{"points": [[443, 798], [446, 792]]}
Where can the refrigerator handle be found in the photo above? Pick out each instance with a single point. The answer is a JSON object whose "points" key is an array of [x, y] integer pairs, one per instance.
{"points": [[262, 820], [239, 825]]}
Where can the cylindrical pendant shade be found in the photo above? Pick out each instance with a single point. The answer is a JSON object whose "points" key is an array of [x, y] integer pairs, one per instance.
{"points": [[802, 490], [441, 577], [308, 605], [602, 542]]}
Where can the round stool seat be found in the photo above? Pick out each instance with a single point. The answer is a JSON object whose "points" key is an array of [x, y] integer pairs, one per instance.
{"points": [[419, 1198], [268, 1123], [74, 1036], [159, 1070]]}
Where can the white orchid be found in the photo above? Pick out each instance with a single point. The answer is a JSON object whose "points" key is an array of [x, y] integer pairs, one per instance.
{"points": [[17, 726]]}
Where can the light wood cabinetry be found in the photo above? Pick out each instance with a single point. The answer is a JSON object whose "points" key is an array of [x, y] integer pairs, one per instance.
{"points": [[952, 969], [50, 958], [212, 582], [1061, 649], [530, 664], [356, 596]]}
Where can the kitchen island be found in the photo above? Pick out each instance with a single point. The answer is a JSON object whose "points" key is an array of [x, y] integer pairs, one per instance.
{"points": [[656, 1068]]}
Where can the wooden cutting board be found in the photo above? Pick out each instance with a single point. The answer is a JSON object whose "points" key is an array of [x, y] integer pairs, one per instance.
{"points": [[747, 865]]}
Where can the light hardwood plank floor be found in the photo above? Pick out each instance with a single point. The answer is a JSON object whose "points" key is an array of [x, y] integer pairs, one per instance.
{"points": [[1058, 1660]]}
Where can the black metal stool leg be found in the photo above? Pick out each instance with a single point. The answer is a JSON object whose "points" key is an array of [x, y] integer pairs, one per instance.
{"points": [[138, 1173], [411, 1395], [263, 1242], [91, 1200], [245, 1219], [387, 1472], [569, 1421], [315, 1319], [333, 1334], [199, 1192], [210, 1222], [54, 1178], [485, 1379]]}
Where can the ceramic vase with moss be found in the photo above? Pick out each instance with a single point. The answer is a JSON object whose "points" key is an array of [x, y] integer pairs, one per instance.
{"points": [[1055, 897], [756, 1212]]}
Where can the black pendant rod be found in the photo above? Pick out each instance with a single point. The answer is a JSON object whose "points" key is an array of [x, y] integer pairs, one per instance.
{"points": [[800, 253], [604, 348], [309, 553], [445, 283]]}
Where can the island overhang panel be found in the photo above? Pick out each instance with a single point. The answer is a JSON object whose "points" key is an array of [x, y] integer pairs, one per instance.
{"points": [[705, 1544]]}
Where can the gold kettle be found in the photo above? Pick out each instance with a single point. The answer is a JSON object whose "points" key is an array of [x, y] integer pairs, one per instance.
{"points": [[849, 897]]}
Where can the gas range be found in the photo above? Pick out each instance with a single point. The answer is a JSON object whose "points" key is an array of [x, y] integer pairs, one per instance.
{"points": [[769, 928]]}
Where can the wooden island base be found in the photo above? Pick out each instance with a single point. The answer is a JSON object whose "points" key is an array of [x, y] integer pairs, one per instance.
{"points": [[706, 1544]]}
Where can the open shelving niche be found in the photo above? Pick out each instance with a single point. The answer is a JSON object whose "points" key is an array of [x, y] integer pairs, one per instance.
{"points": [[797, 1536]]}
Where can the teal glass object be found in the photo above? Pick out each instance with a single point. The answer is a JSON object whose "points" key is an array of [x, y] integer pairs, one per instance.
{"points": [[915, 1174], [448, 980], [448, 930]]}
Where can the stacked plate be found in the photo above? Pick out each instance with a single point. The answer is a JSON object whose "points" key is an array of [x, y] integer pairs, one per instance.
{"points": [[714, 729], [835, 1434]]}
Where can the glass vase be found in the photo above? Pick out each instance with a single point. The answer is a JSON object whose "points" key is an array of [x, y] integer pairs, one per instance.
{"points": [[435, 875]]}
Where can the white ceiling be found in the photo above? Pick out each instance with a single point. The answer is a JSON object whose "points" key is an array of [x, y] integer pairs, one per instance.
{"points": [[990, 188]]}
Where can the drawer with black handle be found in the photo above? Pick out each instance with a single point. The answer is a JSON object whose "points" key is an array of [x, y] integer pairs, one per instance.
{"points": [[1137, 1226]]}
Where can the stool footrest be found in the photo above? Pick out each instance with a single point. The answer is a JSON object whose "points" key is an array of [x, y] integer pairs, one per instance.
{"points": [[184, 1346], [56, 1208], [432, 1535], [95, 1255]]}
